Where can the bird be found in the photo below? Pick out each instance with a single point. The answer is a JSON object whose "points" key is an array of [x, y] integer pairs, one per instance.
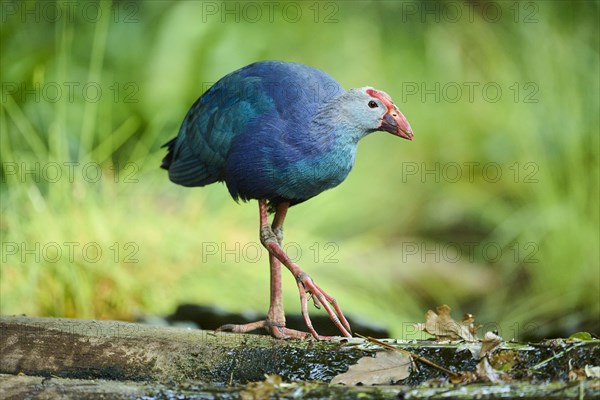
{"points": [[279, 133]]}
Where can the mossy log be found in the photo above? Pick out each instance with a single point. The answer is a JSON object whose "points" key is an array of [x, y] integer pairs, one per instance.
{"points": [[129, 360], [87, 349]]}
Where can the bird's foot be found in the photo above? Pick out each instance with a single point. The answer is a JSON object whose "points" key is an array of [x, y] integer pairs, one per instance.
{"points": [[271, 237], [320, 298], [307, 285], [276, 330]]}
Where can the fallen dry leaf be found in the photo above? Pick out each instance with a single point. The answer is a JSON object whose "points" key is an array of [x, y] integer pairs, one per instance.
{"points": [[592, 371], [386, 367], [504, 361], [463, 378], [485, 372], [579, 374], [261, 390], [490, 342], [440, 324], [575, 374]]}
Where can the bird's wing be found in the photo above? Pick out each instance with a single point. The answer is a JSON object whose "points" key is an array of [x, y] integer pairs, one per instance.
{"points": [[197, 155]]}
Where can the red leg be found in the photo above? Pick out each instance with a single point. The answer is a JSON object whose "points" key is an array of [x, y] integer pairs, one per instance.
{"points": [[275, 321], [275, 313], [305, 283], [271, 237]]}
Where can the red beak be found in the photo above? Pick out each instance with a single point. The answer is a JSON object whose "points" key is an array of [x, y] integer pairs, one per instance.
{"points": [[396, 124]]}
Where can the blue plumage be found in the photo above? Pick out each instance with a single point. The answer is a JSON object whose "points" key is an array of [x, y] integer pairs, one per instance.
{"points": [[272, 130]]}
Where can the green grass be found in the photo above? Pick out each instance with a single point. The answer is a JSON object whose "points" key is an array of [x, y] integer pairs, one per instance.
{"points": [[368, 242]]}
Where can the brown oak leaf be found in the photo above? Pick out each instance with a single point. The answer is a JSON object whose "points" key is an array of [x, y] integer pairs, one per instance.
{"points": [[385, 368], [440, 324]]}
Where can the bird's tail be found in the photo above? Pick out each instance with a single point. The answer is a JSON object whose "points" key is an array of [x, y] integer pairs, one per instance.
{"points": [[168, 160]]}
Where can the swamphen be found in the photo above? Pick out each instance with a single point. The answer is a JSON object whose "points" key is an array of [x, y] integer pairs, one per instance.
{"points": [[279, 133]]}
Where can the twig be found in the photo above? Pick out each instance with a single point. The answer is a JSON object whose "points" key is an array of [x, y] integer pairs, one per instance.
{"points": [[416, 357], [562, 353]]}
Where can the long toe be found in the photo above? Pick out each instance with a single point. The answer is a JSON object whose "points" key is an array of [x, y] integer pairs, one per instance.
{"points": [[320, 298], [276, 330], [242, 328]]}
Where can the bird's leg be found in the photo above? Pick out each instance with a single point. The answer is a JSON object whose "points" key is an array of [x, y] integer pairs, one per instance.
{"points": [[275, 321], [271, 237], [275, 315], [272, 242]]}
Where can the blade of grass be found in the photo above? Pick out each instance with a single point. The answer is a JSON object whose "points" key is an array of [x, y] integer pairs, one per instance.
{"points": [[29, 133], [94, 75]]}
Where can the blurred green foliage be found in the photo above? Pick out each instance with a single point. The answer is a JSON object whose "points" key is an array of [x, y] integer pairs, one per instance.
{"points": [[492, 209]]}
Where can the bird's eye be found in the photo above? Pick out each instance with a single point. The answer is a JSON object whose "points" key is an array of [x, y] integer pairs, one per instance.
{"points": [[373, 104]]}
